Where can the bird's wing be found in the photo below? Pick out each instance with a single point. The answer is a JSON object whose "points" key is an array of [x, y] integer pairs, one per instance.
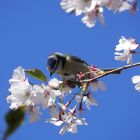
{"points": [[78, 59]]}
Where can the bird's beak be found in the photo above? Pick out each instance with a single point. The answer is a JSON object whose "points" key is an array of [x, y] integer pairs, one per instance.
{"points": [[51, 74]]}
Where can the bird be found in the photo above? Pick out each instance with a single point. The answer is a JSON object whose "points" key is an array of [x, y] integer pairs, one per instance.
{"points": [[69, 66]]}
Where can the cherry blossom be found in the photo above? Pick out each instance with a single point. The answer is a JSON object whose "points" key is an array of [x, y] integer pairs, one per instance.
{"points": [[20, 89], [94, 86], [117, 5], [125, 49], [44, 95], [54, 83], [136, 80], [92, 13], [77, 6], [18, 76], [61, 98], [34, 112], [68, 119], [87, 99], [93, 9], [55, 121], [71, 121]]}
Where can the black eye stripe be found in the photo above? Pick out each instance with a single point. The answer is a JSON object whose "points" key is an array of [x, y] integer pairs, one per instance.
{"points": [[56, 65]]}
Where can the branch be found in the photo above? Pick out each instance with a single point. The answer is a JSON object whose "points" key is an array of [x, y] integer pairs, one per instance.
{"points": [[112, 71]]}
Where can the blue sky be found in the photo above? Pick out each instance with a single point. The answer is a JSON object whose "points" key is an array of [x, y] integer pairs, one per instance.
{"points": [[30, 30]]}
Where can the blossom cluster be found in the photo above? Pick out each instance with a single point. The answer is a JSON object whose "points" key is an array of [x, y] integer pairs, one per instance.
{"points": [[51, 95], [126, 49], [124, 52], [61, 98], [93, 9]]}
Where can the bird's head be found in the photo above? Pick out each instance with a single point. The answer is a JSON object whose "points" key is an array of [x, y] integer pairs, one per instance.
{"points": [[55, 62]]}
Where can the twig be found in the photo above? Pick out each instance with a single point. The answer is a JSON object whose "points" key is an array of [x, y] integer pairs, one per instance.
{"points": [[114, 70]]}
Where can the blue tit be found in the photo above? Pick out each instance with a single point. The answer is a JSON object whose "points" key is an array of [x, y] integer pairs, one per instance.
{"points": [[67, 66]]}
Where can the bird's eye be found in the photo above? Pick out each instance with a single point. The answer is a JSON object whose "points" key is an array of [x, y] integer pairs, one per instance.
{"points": [[51, 63]]}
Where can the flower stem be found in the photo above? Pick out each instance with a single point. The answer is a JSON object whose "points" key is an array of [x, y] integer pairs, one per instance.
{"points": [[112, 71]]}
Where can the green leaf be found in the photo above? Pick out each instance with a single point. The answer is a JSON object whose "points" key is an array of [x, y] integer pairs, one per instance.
{"points": [[36, 73], [14, 119]]}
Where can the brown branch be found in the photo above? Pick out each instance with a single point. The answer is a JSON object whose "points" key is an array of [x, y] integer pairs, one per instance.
{"points": [[112, 71]]}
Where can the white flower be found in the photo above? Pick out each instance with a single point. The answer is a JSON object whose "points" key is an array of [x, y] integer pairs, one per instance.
{"points": [[78, 6], [71, 122], [89, 100], [94, 86], [18, 76], [92, 13], [39, 98], [55, 121], [59, 86], [54, 83], [126, 55], [24, 94], [52, 91], [20, 95], [67, 90], [125, 6], [34, 113], [53, 111], [117, 5], [78, 98], [93, 9], [62, 106], [64, 130], [127, 46], [136, 80], [44, 96], [20, 90]]}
